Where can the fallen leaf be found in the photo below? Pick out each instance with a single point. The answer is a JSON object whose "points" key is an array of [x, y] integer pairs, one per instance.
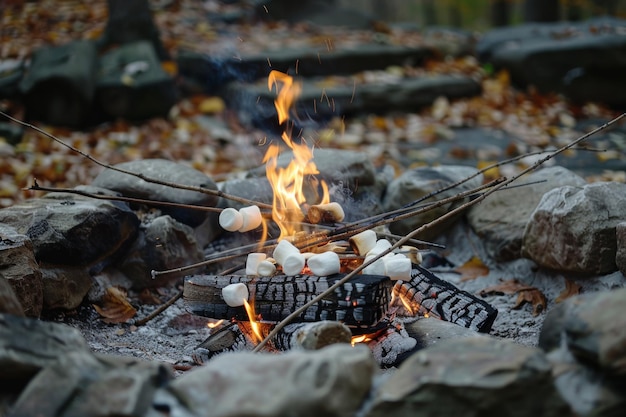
{"points": [[511, 286], [472, 269], [114, 307], [534, 297], [148, 297], [526, 294], [571, 289]]}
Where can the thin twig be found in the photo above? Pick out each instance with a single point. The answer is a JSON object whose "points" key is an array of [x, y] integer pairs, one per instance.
{"points": [[426, 226], [216, 193], [159, 310]]}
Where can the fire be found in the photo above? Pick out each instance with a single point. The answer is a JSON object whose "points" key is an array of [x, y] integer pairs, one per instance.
{"points": [[254, 324], [287, 183], [214, 324], [364, 338]]}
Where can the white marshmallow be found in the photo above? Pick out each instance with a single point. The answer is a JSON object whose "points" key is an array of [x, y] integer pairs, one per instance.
{"points": [[324, 264], [266, 269], [252, 218], [376, 268], [293, 264], [230, 219], [381, 246], [363, 242], [235, 294], [397, 267], [252, 262], [284, 249]]}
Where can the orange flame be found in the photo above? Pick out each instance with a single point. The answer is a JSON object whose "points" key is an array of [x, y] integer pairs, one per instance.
{"points": [[214, 324], [287, 183], [254, 324]]}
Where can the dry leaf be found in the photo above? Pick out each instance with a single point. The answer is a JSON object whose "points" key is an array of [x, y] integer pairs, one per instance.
{"points": [[571, 289], [511, 286], [148, 297], [527, 294], [472, 269], [114, 307], [534, 297]]}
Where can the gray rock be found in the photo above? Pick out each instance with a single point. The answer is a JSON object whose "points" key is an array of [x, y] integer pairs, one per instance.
{"points": [[253, 188], [584, 67], [64, 287], [620, 256], [19, 270], [336, 166], [471, 377], [9, 303], [428, 331], [163, 170], [164, 244], [502, 217], [420, 182], [588, 392], [573, 228], [73, 230], [593, 329], [88, 385], [332, 381], [28, 345]]}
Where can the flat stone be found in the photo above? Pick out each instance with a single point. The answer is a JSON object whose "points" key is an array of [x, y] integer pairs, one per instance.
{"points": [[92, 386], [9, 303], [428, 331], [73, 230], [502, 217], [332, 381], [420, 182], [28, 345], [469, 377], [573, 228], [163, 170], [20, 271]]}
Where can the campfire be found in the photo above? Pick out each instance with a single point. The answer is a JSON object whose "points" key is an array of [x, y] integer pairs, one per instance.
{"points": [[320, 281]]}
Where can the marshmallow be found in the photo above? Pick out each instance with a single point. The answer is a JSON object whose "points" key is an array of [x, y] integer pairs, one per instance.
{"points": [[324, 264], [252, 262], [376, 268], [235, 294], [251, 218], [330, 212], [412, 253], [266, 269], [293, 264], [397, 267], [230, 219], [284, 249], [381, 246], [363, 242]]}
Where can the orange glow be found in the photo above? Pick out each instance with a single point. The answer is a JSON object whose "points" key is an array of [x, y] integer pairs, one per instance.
{"points": [[364, 338], [214, 324], [407, 303], [254, 324], [287, 183]]}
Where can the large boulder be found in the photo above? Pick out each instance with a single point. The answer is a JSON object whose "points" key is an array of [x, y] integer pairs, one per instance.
{"points": [[66, 229], [502, 217], [332, 381], [471, 377], [418, 184], [573, 228], [165, 171]]}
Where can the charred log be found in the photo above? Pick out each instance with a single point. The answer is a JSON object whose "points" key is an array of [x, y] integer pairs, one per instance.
{"points": [[360, 303], [428, 295]]}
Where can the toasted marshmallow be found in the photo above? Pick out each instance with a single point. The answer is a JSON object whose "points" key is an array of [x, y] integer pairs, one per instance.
{"points": [[329, 213], [363, 242]]}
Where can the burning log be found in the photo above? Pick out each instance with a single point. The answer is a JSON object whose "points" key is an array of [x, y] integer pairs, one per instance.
{"points": [[360, 303], [427, 295]]}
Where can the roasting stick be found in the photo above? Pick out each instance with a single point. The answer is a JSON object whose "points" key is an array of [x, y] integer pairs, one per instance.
{"points": [[426, 226], [217, 193]]}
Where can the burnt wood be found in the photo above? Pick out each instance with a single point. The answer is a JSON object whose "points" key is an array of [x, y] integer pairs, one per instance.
{"points": [[431, 296], [360, 303]]}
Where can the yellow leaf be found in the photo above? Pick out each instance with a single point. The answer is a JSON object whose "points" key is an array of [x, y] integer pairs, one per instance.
{"points": [[571, 289], [212, 105], [472, 269]]}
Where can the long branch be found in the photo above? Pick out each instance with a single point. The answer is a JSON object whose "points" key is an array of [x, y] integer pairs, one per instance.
{"points": [[216, 193], [426, 226]]}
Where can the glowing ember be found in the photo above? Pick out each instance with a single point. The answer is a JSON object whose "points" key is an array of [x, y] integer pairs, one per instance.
{"points": [[214, 324], [364, 338], [288, 182], [254, 324]]}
